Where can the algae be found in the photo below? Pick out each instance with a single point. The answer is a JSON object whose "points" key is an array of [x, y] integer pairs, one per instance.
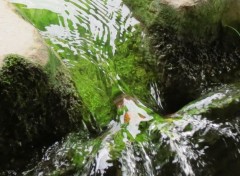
{"points": [[132, 63], [143, 10], [40, 18]]}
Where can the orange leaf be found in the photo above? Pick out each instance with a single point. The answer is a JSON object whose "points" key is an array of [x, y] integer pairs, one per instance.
{"points": [[127, 118]]}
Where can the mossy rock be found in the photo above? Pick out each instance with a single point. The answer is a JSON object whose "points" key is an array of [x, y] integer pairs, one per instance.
{"points": [[186, 70], [195, 44], [36, 109], [191, 21], [39, 103]]}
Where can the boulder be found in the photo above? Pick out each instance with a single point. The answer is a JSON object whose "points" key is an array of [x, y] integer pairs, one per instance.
{"points": [[39, 103], [195, 44], [198, 21]]}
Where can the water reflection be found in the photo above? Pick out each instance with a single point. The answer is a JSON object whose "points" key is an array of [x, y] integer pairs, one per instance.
{"points": [[89, 27], [85, 34]]}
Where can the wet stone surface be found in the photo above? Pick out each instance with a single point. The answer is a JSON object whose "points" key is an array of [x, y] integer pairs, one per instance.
{"points": [[33, 112], [186, 70]]}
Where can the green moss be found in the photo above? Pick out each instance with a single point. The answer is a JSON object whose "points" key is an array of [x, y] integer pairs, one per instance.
{"points": [[95, 79], [131, 63], [200, 23], [39, 18], [89, 76], [143, 10], [34, 110], [95, 88], [53, 65]]}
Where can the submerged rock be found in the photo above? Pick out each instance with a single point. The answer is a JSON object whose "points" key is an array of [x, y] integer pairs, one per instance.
{"points": [[205, 138]]}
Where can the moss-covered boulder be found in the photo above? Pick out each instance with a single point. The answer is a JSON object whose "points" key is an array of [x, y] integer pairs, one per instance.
{"points": [[38, 100], [35, 109], [196, 48], [195, 43], [186, 70], [194, 21]]}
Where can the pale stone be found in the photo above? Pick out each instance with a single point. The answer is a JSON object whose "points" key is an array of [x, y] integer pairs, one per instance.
{"points": [[181, 3], [17, 36]]}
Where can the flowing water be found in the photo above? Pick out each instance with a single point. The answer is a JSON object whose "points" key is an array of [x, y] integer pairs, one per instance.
{"points": [[93, 39], [99, 42], [85, 34]]}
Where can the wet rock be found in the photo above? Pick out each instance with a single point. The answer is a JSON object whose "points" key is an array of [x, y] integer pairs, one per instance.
{"points": [[108, 153], [204, 136], [197, 21], [34, 110], [197, 140], [39, 103], [186, 70], [194, 49], [196, 45]]}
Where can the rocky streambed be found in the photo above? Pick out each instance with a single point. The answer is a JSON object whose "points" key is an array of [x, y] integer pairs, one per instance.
{"points": [[89, 90]]}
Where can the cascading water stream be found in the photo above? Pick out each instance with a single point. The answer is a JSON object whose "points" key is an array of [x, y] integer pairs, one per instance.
{"points": [[87, 35], [142, 143]]}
